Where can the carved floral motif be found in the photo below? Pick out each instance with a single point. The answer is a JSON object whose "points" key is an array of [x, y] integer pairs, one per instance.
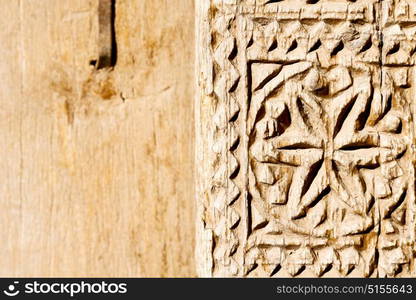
{"points": [[312, 126]]}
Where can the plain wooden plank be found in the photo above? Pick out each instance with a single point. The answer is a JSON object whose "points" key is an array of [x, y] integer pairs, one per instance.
{"points": [[97, 166]]}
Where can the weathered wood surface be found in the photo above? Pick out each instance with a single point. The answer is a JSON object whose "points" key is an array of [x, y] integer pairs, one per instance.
{"points": [[305, 133], [96, 164]]}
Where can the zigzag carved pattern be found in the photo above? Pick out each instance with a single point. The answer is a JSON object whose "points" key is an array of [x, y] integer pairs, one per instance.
{"points": [[225, 190]]}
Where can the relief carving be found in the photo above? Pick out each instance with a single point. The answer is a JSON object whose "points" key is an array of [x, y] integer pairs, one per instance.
{"points": [[306, 132]]}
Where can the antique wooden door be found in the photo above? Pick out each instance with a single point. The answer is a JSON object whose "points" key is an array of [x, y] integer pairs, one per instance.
{"points": [[305, 137]]}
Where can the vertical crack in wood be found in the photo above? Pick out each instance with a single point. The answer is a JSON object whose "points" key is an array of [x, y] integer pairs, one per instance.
{"points": [[107, 45]]}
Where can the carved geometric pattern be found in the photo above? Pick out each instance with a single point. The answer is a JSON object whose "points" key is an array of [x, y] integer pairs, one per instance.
{"points": [[307, 137]]}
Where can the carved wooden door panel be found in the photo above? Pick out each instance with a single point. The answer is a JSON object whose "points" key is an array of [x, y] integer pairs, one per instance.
{"points": [[305, 138]]}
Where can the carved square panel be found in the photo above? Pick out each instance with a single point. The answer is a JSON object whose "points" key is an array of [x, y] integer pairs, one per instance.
{"points": [[305, 138]]}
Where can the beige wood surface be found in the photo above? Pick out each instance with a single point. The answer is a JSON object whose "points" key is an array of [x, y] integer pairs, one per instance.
{"points": [[96, 165]]}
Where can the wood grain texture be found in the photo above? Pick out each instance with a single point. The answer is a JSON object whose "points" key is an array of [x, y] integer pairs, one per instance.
{"points": [[96, 165]]}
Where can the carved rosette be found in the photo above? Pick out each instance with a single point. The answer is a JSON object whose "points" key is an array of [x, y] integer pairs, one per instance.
{"points": [[308, 134]]}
